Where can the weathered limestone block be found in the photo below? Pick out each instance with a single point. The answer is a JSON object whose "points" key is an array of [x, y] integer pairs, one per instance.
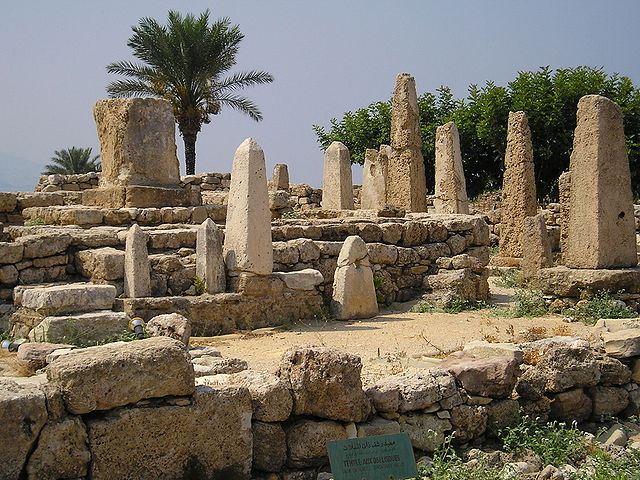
{"points": [[137, 277], [280, 179], [502, 414], [23, 413], [270, 397], [307, 442], [207, 367], [337, 183], [209, 259], [247, 241], [305, 279], [464, 284], [354, 294], [601, 225], [623, 343], [564, 198], [406, 182], [608, 401], [137, 142], [374, 178], [518, 186], [172, 325], [112, 375], [11, 252], [62, 451], [537, 253], [269, 446], [469, 422], [572, 405], [487, 377], [105, 263], [210, 437], [377, 426], [33, 356], [8, 202], [566, 367], [411, 390], [612, 371], [450, 184], [44, 245], [325, 383], [70, 298], [426, 431]]}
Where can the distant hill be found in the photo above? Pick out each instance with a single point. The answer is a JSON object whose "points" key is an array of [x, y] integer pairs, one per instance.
{"points": [[18, 174]]}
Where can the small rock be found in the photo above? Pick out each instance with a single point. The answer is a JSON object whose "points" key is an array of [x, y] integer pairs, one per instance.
{"points": [[171, 325], [616, 435]]}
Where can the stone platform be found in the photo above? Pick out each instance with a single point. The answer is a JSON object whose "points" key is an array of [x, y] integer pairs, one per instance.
{"points": [[139, 196], [568, 282]]}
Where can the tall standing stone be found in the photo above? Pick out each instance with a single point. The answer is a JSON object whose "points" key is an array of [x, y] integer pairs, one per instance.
{"points": [[518, 186], [451, 187], [374, 178], [601, 224], [337, 183], [564, 197], [406, 181], [138, 154], [137, 276], [354, 294], [280, 180], [209, 260], [247, 241]]}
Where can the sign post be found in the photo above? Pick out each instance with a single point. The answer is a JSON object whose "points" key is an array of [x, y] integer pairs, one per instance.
{"points": [[383, 457]]}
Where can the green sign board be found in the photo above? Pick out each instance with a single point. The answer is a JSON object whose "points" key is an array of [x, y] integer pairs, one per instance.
{"points": [[383, 457]]}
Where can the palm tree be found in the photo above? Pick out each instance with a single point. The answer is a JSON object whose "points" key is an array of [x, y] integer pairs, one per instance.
{"points": [[184, 63], [69, 161]]}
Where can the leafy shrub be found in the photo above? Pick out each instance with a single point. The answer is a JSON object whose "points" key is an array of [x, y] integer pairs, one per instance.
{"points": [[423, 307], [458, 305], [601, 305], [530, 303], [199, 285], [555, 442], [34, 222], [606, 467]]}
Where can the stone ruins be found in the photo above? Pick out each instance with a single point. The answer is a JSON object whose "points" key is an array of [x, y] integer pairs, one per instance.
{"points": [[451, 187], [139, 251], [406, 182], [337, 185], [518, 187]]}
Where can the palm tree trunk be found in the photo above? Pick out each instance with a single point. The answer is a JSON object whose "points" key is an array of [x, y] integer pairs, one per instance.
{"points": [[190, 152]]}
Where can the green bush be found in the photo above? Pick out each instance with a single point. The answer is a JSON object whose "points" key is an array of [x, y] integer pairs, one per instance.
{"points": [[530, 303], [458, 305], [556, 443], [606, 467], [423, 307], [199, 285], [508, 278], [601, 305]]}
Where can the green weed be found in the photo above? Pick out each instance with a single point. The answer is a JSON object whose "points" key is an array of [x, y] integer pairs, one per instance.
{"points": [[34, 222], [601, 305], [199, 284], [423, 307], [556, 443], [508, 278], [605, 467], [458, 305]]}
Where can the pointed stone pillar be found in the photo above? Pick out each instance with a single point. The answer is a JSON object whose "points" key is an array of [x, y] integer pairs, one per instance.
{"points": [[406, 181], [247, 241], [564, 198], [518, 186], [354, 294], [137, 276], [374, 178], [209, 260], [337, 183], [451, 187], [280, 180], [601, 225]]}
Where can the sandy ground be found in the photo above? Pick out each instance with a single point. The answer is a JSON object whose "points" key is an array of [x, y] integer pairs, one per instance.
{"points": [[396, 339], [387, 344]]}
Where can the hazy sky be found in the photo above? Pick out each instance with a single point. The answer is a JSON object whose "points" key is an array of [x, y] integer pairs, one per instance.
{"points": [[327, 57]]}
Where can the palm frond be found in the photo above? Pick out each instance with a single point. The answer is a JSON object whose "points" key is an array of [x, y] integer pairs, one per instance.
{"points": [[242, 104]]}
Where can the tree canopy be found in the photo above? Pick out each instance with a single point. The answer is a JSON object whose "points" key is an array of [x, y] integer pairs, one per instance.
{"points": [[184, 62], [548, 97], [70, 161]]}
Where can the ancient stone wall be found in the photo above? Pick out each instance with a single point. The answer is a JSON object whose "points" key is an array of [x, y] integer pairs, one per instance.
{"points": [[95, 415], [67, 183]]}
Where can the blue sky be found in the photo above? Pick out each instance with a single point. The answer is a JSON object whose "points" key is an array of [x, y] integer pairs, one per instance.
{"points": [[327, 57]]}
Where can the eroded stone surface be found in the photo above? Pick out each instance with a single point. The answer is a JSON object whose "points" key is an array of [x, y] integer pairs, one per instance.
{"points": [[374, 178], [69, 298], [337, 183], [209, 257], [451, 187], [137, 276]]}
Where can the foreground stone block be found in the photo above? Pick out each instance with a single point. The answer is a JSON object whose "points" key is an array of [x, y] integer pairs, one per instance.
{"points": [[569, 282], [80, 329], [307, 442], [172, 325], [518, 187], [269, 446], [109, 376], [411, 390], [451, 186], [623, 343], [325, 383], [406, 181], [601, 225], [426, 431], [247, 241], [208, 438], [70, 298], [306, 279], [33, 356], [487, 377], [23, 413], [62, 451], [105, 263]]}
